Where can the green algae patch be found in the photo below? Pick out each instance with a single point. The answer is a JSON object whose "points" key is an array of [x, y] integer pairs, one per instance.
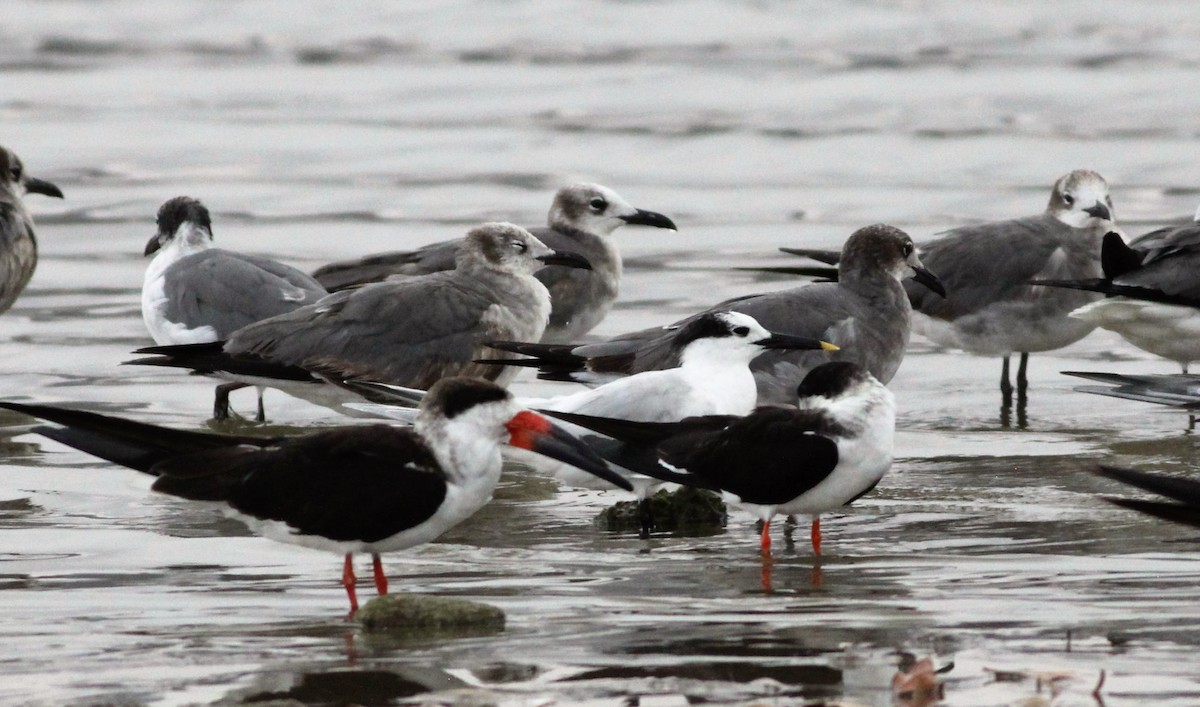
{"points": [[429, 616], [686, 511]]}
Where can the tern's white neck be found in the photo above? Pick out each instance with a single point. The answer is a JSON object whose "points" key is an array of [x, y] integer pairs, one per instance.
{"points": [[722, 371]]}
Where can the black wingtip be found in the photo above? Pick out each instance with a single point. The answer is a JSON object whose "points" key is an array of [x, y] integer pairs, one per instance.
{"points": [[825, 274], [1116, 257], [829, 257], [1185, 491], [1174, 512]]}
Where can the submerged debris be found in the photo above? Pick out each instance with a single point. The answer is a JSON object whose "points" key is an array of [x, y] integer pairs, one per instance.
{"points": [[687, 511], [417, 613], [918, 684]]}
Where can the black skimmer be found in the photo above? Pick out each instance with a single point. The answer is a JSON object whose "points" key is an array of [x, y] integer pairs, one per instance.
{"points": [[18, 246], [581, 220], [354, 489], [194, 293], [830, 450], [866, 313], [1182, 506], [410, 331]]}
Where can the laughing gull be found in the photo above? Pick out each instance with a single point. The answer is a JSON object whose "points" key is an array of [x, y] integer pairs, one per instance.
{"points": [[194, 293], [354, 489], [1153, 288], [1184, 494], [830, 450], [865, 313], [991, 307], [411, 331], [18, 247], [581, 220]]}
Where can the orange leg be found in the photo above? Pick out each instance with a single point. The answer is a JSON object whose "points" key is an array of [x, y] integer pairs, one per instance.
{"points": [[816, 535], [380, 577], [348, 581], [766, 538], [765, 578]]}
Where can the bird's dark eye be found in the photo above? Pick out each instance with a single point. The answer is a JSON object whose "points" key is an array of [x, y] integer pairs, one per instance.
{"points": [[908, 249], [16, 174], [598, 204], [741, 330], [519, 246], [1068, 199]]}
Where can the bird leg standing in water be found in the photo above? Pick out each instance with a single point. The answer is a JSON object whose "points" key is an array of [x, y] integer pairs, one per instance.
{"points": [[381, 583], [349, 581]]}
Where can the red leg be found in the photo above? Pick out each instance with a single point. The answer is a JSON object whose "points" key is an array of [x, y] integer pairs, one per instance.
{"points": [[380, 577], [348, 581], [766, 538], [816, 535]]}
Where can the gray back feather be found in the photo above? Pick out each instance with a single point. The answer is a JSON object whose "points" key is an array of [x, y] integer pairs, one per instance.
{"points": [[227, 290]]}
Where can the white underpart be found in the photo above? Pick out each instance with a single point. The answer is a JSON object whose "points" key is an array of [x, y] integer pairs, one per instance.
{"points": [[1167, 330], [187, 239], [864, 455]]}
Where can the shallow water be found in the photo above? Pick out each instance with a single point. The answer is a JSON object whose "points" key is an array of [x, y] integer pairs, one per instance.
{"points": [[343, 130]]}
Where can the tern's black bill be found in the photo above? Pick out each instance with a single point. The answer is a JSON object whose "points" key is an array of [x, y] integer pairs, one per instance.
{"points": [[787, 341]]}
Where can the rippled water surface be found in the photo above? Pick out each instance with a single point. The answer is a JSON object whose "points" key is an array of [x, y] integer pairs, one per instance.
{"points": [[335, 129]]}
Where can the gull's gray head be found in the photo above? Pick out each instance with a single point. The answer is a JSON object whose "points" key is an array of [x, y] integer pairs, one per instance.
{"points": [[509, 248], [884, 249], [595, 209], [734, 336], [15, 182], [184, 222], [1080, 199]]}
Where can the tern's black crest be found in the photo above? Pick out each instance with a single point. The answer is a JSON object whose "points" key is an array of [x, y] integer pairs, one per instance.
{"points": [[706, 326], [182, 209], [829, 380], [457, 395]]}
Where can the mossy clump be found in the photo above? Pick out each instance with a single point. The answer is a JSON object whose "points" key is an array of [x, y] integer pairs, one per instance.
{"points": [[686, 511], [429, 615]]}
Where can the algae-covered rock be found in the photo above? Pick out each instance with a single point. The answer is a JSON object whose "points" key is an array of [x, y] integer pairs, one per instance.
{"points": [[689, 511], [429, 615]]}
